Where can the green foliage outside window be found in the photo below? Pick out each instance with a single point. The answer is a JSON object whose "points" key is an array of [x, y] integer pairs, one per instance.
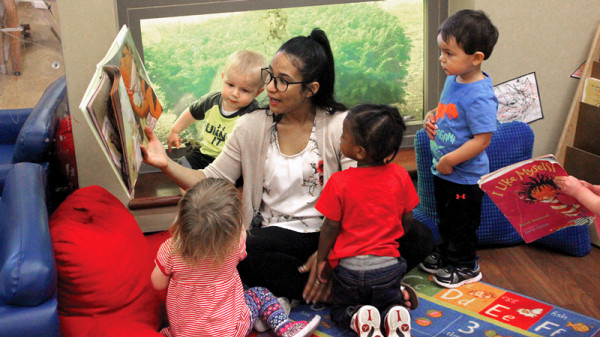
{"points": [[377, 49]]}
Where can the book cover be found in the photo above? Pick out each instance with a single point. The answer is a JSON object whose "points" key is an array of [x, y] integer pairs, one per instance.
{"points": [[591, 91], [100, 111], [118, 104], [526, 194]]}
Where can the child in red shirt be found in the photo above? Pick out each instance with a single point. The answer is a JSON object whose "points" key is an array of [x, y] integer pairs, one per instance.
{"points": [[366, 209]]}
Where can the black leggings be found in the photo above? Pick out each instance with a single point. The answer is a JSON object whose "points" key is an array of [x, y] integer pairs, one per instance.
{"points": [[416, 244], [459, 210], [274, 255]]}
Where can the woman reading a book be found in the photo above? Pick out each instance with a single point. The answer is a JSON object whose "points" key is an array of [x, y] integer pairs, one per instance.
{"points": [[286, 153]]}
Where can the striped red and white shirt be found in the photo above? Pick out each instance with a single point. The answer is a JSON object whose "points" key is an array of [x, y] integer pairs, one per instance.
{"points": [[204, 299]]}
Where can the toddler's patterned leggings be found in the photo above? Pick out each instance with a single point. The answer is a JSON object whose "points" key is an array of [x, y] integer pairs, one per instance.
{"points": [[265, 306]]}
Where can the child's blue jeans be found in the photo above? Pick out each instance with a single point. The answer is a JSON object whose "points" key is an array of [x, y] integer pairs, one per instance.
{"points": [[353, 288]]}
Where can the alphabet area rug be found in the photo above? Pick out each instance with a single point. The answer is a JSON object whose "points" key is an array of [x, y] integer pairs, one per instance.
{"points": [[476, 309], [481, 309]]}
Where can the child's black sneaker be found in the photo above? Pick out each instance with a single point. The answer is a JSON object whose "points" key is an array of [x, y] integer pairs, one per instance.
{"points": [[453, 277], [432, 263]]}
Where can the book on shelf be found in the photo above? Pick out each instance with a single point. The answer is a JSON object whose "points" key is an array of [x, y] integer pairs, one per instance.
{"points": [[591, 91], [526, 194], [118, 104]]}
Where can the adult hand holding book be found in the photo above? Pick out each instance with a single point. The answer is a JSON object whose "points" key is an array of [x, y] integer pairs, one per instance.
{"points": [[527, 194]]}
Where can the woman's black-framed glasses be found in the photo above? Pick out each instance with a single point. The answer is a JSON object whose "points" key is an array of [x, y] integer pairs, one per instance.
{"points": [[281, 84]]}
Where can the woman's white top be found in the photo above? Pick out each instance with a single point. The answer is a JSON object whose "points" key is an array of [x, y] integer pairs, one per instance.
{"points": [[292, 186]]}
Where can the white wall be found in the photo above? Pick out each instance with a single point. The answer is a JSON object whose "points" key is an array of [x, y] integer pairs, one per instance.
{"points": [[88, 29], [548, 37]]}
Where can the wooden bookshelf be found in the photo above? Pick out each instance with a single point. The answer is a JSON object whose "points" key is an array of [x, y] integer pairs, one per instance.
{"points": [[567, 136], [578, 149]]}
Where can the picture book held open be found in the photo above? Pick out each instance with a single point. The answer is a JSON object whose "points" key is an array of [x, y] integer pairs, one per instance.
{"points": [[526, 194], [118, 104]]}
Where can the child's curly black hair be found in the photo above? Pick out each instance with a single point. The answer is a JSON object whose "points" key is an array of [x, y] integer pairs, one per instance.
{"points": [[379, 129]]}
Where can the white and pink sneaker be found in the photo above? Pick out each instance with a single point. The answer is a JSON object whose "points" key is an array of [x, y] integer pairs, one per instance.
{"points": [[397, 322], [366, 322]]}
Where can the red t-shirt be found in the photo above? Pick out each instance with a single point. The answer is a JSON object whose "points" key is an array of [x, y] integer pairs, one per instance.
{"points": [[369, 202]]}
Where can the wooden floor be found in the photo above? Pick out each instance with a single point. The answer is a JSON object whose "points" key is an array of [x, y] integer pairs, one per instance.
{"points": [[569, 282], [565, 281]]}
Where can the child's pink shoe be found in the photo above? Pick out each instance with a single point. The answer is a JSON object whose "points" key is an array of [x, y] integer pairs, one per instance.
{"points": [[303, 328]]}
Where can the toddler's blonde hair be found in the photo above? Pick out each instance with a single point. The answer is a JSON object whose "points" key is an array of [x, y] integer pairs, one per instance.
{"points": [[209, 221], [246, 62]]}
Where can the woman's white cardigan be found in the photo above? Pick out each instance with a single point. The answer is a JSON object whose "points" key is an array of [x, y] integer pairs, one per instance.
{"points": [[245, 151]]}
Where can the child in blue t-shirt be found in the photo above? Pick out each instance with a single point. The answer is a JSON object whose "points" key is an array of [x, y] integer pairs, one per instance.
{"points": [[460, 129]]}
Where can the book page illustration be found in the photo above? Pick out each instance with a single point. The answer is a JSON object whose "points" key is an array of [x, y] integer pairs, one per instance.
{"points": [[542, 188], [118, 104]]}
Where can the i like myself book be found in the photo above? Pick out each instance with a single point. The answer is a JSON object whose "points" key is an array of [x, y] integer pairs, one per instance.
{"points": [[526, 194]]}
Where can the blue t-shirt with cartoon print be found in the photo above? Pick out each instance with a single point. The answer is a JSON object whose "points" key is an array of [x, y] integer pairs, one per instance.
{"points": [[465, 109]]}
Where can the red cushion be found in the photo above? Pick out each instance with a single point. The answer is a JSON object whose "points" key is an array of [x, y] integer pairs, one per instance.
{"points": [[104, 265], [118, 328], [154, 241]]}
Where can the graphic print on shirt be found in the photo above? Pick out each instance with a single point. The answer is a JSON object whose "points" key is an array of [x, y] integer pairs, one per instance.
{"points": [[446, 111], [450, 112], [218, 133], [313, 182], [318, 169]]}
